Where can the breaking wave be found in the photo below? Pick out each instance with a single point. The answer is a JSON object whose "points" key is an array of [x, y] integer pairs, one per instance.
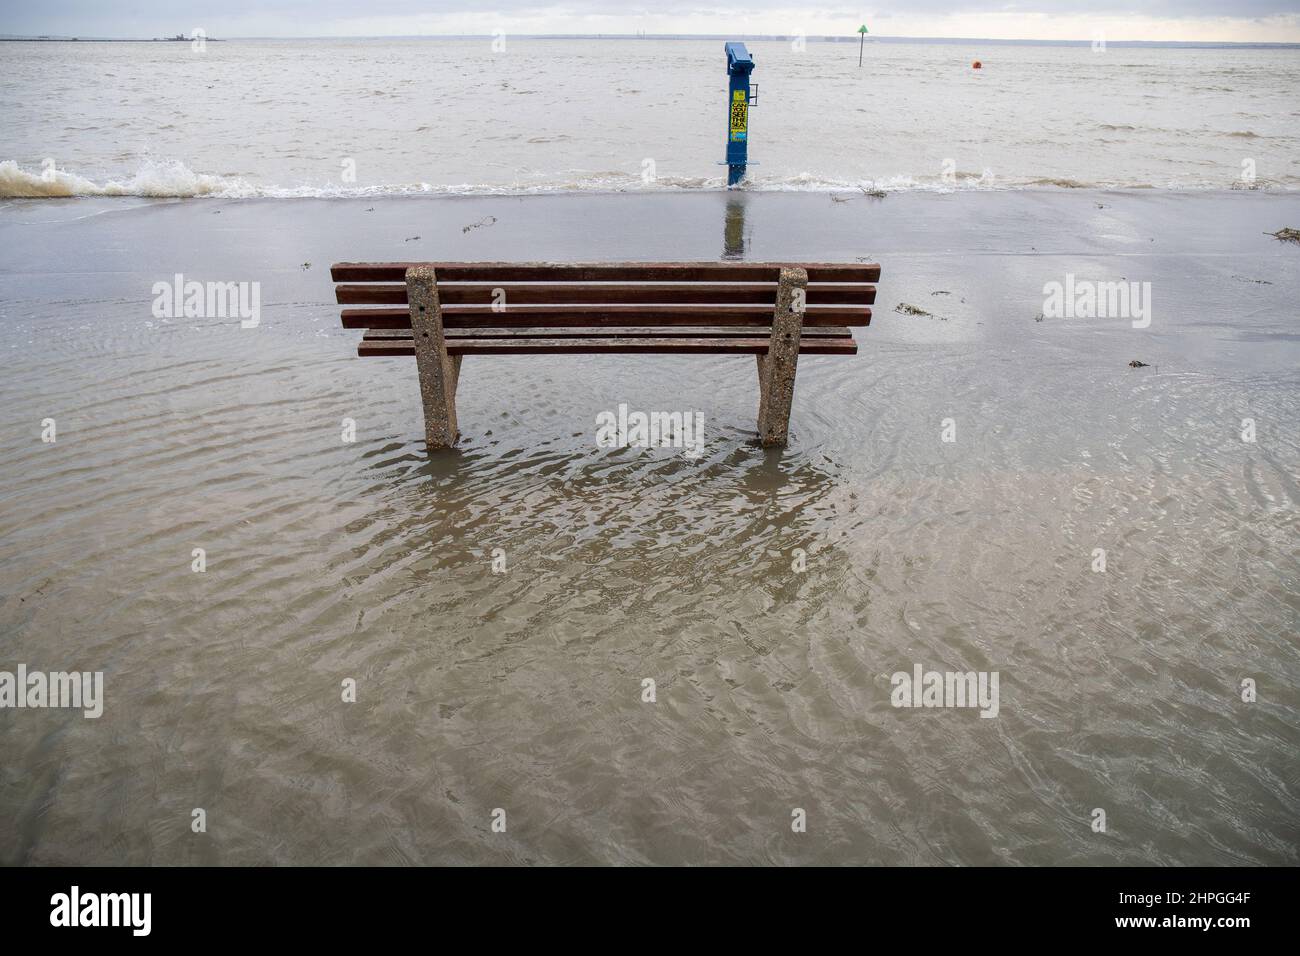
{"points": [[159, 180]]}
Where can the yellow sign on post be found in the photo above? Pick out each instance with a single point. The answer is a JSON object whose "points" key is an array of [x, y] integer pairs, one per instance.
{"points": [[739, 115]]}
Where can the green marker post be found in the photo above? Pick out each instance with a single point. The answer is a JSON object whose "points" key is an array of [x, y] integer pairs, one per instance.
{"points": [[862, 39]]}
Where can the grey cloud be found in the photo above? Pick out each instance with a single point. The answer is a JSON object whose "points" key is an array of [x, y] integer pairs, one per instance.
{"points": [[306, 17]]}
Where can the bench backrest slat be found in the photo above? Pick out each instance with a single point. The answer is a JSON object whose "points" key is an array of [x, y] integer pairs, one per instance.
{"points": [[604, 271], [574, 293], [599, 316], [723, 332]]}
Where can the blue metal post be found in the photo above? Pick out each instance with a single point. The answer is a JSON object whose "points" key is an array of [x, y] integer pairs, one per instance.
{"points": [[739, 65]]}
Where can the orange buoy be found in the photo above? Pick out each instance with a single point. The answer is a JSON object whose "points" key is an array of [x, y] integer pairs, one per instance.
{"points": [[977, 65]]}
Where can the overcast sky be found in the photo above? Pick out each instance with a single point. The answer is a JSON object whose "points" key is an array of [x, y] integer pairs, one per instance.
{"points": [[1224, 20]]}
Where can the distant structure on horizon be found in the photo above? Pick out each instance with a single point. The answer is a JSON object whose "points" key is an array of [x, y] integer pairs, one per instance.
{"points": [[180, 38]]}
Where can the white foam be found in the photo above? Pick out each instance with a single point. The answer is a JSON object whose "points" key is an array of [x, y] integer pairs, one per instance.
{"points": [[173, 179], [154, 179]]}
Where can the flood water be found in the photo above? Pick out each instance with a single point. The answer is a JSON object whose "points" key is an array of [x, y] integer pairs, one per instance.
{"points": [[770, 595], [289, 118]]}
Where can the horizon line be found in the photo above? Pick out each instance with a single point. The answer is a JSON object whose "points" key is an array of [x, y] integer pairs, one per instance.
{"points": [[777, 37]]}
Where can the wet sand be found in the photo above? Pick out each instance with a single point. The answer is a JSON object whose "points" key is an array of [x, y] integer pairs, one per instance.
{"points": [[329, 561]]}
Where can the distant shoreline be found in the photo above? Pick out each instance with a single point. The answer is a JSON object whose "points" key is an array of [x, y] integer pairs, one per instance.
{"points": [[780, 38], [106, 40]]}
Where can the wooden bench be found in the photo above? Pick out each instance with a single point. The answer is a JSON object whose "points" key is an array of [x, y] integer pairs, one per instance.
{"points": [[441, 312]]}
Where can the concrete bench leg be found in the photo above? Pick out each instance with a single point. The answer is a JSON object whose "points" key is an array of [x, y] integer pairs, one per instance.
{"points": [[438, 371], [776, 370]]}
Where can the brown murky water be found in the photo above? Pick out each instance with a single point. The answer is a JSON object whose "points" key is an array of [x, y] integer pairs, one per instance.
{"points": [[329, 561]]}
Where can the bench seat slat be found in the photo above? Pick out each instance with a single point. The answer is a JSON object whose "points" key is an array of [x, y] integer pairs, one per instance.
{"points": [[605, 271], [573, 293], [614, 316], [518, 345]]}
